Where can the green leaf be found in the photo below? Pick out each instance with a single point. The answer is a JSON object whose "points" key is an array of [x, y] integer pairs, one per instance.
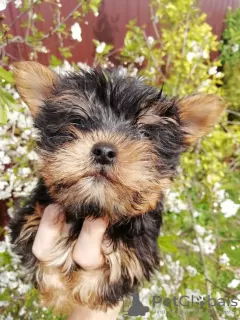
{"points": [[54, 61], [94, 5], [65, 52], [6, 96], [77, 15], [166, 245], [62, 28], [3, 114], [6, 75]]}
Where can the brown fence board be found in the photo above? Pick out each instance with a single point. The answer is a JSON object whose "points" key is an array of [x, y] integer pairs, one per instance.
{"points": [[109, 26]]}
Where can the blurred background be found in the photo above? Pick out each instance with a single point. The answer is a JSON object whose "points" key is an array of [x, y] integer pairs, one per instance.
{"points": [[187, 46]]}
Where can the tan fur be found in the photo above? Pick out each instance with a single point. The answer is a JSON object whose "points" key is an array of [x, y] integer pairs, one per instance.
{"points": [[199, 113], [63, 285], [31, 225], [89, 286], [34, 83], [133, 175]]}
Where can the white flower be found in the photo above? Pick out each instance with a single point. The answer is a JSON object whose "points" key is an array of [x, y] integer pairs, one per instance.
{"points": [[228, 312], [9, 279], [209, 245], [194, 293], [205, 54], [21, 150], [100, 48], [5, 194], [150, 40], [23, 288], [44, 49], [224, 259], [3, 184], [34, 16], [174, 202], [3, 246], [196, 214], [24, 171], [166, 277], [200, 230], [219, 74], [220, 193], [134, 72], [32, 155], [6, 160], [195, 46], [229, 208], [233, 284], [204, 85], [145, 295], [76, 32], [192, 271], [22, 311], [3, 5], [235, 47], [83, 66], [66, 67], [18, 3], [190, 56], [152, 70], [4, 303], [212, 70], [96, 14], [139, 59]]}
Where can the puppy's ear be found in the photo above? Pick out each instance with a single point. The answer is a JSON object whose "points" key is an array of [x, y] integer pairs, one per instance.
{"points": [[34, 83], [198, 114]]}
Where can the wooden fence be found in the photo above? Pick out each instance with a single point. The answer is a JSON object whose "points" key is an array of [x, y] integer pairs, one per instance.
{"points": [[109, 26]]}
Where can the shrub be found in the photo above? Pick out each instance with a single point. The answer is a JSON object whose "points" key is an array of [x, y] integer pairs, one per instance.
{"points": [[230, 57], [178, 54]]}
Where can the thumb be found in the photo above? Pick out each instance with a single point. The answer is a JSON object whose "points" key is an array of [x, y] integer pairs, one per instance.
{"points": [[87, 251]]}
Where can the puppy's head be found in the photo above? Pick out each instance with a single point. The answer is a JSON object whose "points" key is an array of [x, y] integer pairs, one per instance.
{"points": [[108, 144]]}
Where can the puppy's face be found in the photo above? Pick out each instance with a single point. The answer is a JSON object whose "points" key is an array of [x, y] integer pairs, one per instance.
{"points": [[109, 145]]}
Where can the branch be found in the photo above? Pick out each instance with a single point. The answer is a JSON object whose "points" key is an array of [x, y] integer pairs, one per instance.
{"points": [[213, 310], [63, 21], [154, 23], [222, 289], [20, 15], [158, 68]]}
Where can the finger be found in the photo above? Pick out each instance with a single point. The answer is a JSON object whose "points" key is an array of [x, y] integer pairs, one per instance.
{"points": [[49, 230], [87, 251]]}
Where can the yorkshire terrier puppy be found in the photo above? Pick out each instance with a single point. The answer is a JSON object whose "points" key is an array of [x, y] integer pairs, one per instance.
{"points": [[108, 146]]}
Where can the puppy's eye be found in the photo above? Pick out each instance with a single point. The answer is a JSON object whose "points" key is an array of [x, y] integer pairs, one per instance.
{"points": [[78, 124], [144, 134]]}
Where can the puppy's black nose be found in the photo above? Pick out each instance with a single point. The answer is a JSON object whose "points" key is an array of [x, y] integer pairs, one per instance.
{"points": [[104, 153]]}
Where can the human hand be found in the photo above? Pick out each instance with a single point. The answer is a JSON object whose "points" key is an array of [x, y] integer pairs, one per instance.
{"points": [[87, 251]]}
